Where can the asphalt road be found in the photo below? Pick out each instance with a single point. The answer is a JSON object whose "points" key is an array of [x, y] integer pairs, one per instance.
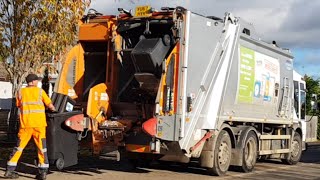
{"points": [[91, 168]]}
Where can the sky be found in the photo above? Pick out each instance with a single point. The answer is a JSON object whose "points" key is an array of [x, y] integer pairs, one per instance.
{"points": [[293, 24]]}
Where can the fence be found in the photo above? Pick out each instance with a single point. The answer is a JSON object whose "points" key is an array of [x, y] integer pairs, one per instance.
{"points": [[312, 127]]}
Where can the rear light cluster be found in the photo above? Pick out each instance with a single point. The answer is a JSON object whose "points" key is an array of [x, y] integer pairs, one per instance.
{"points": [[150, 127], [75, 122]]}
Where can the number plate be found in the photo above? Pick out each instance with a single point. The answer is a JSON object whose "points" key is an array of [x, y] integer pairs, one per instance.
{"points": [[142, 11]]}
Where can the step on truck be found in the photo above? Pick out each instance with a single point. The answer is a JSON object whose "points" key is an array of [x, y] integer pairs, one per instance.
{"points": [[174, 85]]}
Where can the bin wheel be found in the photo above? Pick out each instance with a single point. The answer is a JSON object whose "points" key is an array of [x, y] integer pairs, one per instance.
{"points": [[36, 162], [59, 164]]}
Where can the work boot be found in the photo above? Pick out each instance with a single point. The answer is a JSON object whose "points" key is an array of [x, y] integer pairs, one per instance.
{"points": [[42, 175], [11, 175]]}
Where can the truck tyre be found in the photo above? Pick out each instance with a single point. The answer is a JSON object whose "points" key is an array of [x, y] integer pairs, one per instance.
{"points": [[295, 155], [250, 152], [222, 154]]}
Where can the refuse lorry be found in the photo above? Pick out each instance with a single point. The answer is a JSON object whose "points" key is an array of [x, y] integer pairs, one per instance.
{"points": [[174, 85]]}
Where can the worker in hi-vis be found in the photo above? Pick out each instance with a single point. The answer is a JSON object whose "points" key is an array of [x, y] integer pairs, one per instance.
{"points": [[31, 101]]}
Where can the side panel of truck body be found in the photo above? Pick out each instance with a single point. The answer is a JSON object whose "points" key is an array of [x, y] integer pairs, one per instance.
{"points": [[200, 65], [254, 92], [230, 76]]}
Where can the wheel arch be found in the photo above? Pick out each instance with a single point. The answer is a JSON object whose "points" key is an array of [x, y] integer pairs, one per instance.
{"points": [[244, 133], [240, 141], [229, 130], [299, 131], [207, 154]]}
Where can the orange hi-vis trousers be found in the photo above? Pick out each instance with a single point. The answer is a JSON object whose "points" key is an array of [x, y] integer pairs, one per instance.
{"points": [[24, 136]]}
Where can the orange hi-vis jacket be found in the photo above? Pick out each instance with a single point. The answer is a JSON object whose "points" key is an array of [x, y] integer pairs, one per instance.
{"points": [[31, 102]]}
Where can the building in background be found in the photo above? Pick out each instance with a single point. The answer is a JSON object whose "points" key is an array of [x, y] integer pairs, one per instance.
{"points": [[5, 89]]}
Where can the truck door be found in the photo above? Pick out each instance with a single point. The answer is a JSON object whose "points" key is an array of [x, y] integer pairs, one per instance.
{"points": [[300, 99]]}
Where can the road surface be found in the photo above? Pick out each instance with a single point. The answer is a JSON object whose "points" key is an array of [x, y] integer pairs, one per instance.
{"points": [[91, 168]]}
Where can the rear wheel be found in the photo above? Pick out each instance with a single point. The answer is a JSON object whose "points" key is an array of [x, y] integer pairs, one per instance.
{"points": [[295, 155], [249, 155], [222, 154]]}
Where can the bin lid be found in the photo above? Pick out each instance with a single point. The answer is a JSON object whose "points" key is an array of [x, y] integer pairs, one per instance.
{"points": [[59, 114]]}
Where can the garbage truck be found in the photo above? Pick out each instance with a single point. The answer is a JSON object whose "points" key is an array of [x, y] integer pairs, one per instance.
{"points": [[174, 85]]}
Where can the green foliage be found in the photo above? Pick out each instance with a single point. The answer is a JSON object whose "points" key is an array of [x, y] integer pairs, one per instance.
{"points": [[34, 31], [313, 87]]}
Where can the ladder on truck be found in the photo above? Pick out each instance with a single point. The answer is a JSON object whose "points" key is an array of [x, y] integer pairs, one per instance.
{"points": [[285, 98]]}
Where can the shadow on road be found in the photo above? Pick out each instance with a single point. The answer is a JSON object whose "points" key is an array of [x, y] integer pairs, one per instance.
{"points": [[87, 165], [96, 165], [25, 164], [90, 166], [311, 155]]}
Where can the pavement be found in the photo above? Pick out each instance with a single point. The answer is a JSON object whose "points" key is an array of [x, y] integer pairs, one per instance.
{"points": [[315, 143]]}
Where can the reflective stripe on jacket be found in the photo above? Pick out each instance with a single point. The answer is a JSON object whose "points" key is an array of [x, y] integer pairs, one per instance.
{"points": [[31, 102]]}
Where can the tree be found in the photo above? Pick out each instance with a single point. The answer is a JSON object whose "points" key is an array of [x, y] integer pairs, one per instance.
{"points": [[2, 49], [313, 87], [33, 32]]}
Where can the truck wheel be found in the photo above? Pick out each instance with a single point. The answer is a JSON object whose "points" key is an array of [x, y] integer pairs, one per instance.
{"points": [[249, 155], [295, 155], [222, 154], [59, 164]]}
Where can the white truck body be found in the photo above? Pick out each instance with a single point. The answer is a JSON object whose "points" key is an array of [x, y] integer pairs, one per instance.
{"points": [[236, 83]]}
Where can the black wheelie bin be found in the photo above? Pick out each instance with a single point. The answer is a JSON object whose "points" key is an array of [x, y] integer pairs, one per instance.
{"points": [[62, 142]]}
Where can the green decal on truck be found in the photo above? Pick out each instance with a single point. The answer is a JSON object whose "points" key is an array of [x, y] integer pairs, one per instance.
{"points": [[246, 84], [259, 75]]}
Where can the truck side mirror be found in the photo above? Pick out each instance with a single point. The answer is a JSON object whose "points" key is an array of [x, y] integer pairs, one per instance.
{"points": [[314, 104]]}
